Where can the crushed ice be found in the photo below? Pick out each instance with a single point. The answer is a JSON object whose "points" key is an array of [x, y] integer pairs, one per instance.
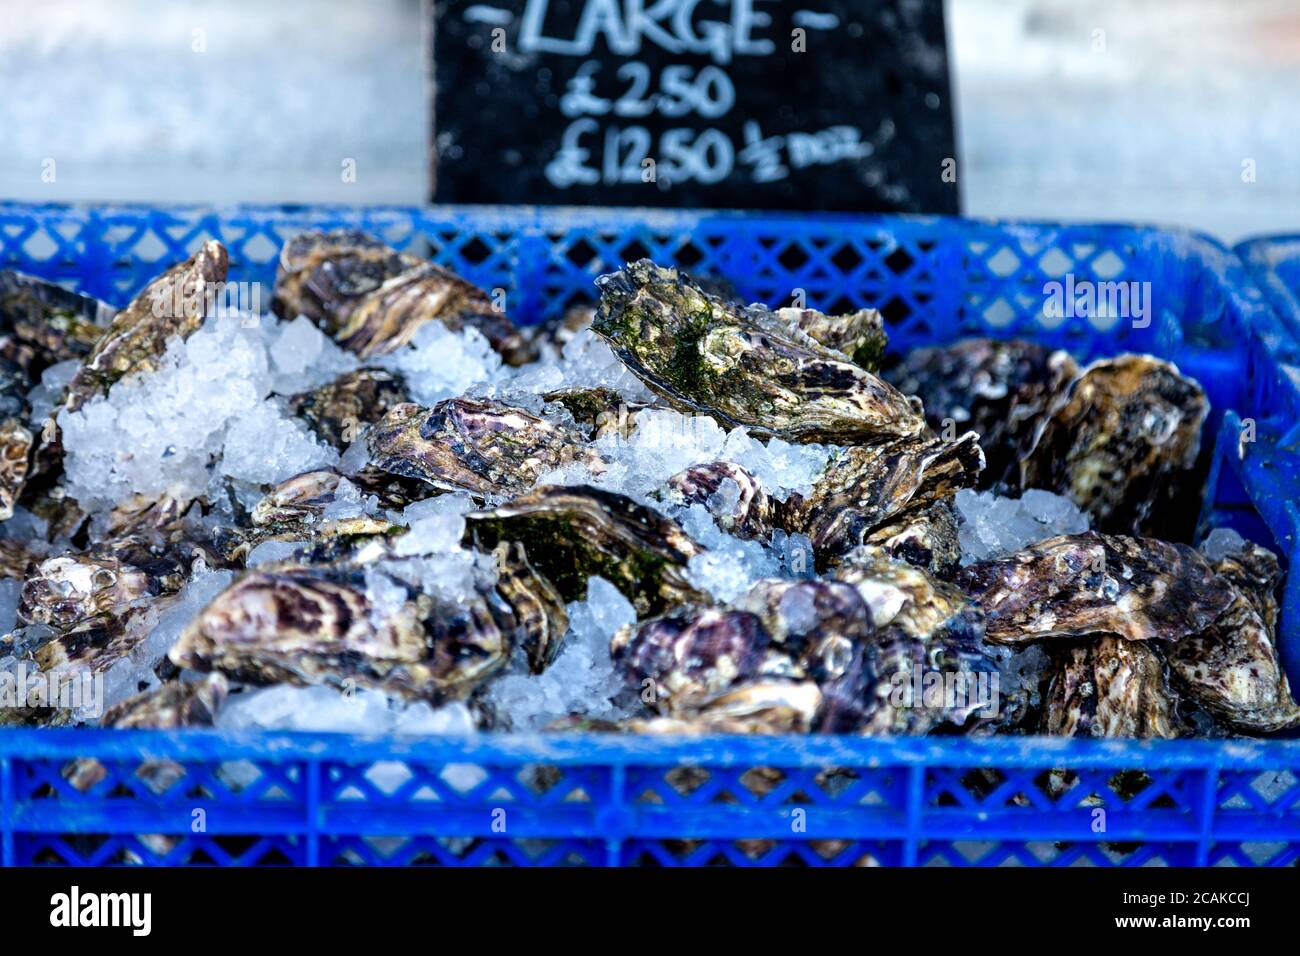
{"points": [[992, 525], [582, 679]]}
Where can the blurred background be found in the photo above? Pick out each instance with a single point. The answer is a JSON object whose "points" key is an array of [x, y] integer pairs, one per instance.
{"points": [[1166, 111]]}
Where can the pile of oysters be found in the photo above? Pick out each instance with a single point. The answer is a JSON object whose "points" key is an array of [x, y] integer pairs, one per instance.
{"points": [[1138, 635]]}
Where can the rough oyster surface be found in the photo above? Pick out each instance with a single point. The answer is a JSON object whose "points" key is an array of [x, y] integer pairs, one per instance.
{"points": [[867, 486], [1138, 589], [705, 356], [998, 389], [1119, 441], [1232, 668], [313, 626], [482, 447], [174, 304], [573, 533], [1108, 687], [372, 299]]}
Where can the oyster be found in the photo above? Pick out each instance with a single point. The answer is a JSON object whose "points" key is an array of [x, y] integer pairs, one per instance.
{"points": [[573, 533], [1120, 441], [926, 537], [337, 412], [761, 706], [482, 447], [1232, 668], [731, 493], [174, 304], [323, 541], [325, 275], [926, 633], [15, 558], [1090, 584], [307, 498], [177, 703], [686, 657], [998, 389], [15, 453], [63, 591], [540, 615], [52, 321], [601, 409], [706, 356], [858, 335], [41, 324], [303, 625], [866, 486], [95, 644], [1108, 687], [372, 299]]}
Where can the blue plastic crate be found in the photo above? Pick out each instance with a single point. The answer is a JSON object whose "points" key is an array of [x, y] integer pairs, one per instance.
{"points": [[548, 799], [1275, 263]]}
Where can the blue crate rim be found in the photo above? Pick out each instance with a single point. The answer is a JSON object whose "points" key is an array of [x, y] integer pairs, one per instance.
{"points": [[596, 749]]}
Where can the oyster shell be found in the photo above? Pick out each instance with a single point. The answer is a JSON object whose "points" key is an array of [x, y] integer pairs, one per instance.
{"points": [[860, 335], [1139, 589], [16, 441], [324, 275], [998, 389], [41, 324], [486, 448], [866, 486], [926, 537], [691, 654], [761, 706], [15, 558], [1232, 668], [303, 626], [540, 615], [731, 493], [601, 409], [177, 703], [573, 533], [52, 321], [172, 305], [304, 499], [372, 299], [1108, 687], [337, 412], [706, 356], [1119, 441], [65, 590]]}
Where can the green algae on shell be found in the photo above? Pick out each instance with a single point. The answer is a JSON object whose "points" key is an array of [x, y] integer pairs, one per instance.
{"points": [[706, 356]]}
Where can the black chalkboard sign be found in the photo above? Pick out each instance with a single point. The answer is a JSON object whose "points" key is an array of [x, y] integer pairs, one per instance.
{"points": [[767, 104]]}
